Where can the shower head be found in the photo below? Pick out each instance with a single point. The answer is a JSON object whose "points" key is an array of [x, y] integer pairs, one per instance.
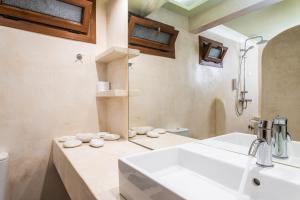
{"points": [[262, 41], [259, 39]]}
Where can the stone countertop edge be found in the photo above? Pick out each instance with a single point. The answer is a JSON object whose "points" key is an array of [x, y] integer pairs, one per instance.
{"points": [[92, 173]]}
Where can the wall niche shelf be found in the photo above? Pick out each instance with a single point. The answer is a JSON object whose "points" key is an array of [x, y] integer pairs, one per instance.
{"points": [[112, 105], [115, 53], [112, 94]]}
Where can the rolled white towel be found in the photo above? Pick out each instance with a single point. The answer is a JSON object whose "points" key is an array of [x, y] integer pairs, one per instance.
{"points": [[72, 143], [65, 138], [131, 133], [111, 137], [152, 134], [142, 130], [85, 137], [160, 130], [101, 134], [96, 143]]}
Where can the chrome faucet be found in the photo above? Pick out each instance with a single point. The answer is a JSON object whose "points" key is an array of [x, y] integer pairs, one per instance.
{"points": [[262, 146], [280, 138]]}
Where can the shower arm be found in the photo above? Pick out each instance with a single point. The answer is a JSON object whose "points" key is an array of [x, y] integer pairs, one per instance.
{"points": [[252, 38]]}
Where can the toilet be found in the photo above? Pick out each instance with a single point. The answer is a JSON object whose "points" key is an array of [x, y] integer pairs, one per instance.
{"points": [[3, 175]]}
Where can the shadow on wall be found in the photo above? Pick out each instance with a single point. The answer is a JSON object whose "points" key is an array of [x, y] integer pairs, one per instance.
{"points": [[53, 188], [281, 79], [212, 120], [217, 122], [220, 117]]}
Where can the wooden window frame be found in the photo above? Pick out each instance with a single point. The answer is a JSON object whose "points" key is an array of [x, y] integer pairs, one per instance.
{"points": [[152, 47], [50, 25], [205, 45]]}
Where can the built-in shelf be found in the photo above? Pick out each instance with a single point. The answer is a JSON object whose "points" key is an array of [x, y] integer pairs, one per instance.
{"points": [[115, 53], [113, 93]]}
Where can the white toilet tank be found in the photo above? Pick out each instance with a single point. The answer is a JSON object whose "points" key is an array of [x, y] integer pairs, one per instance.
{"points": [[3, 175]]}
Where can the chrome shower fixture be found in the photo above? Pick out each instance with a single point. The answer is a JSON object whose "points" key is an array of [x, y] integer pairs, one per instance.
{"points": [[241, 102], [260, 41], [246, 50], [249, 48]]}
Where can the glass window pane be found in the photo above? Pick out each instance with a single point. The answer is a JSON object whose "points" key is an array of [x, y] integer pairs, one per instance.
{"points": [[151, 34], [54, 8], [214, 53]]}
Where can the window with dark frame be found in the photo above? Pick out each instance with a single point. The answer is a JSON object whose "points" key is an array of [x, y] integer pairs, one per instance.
{"points": [[151, 37], [71, 19], [211, 53]]}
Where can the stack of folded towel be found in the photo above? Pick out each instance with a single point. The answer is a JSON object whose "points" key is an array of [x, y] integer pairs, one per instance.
{"points": [[94, 139], [146, 130]]}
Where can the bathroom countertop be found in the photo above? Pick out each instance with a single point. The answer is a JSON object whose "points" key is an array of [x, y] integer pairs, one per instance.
{"points": [[164, 140], [92, 173]]}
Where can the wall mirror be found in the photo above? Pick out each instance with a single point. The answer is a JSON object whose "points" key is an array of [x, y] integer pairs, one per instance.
{"points": [[181, 100]]}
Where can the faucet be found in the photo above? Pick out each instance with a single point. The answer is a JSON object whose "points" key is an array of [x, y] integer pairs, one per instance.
{"points": [[262, 146], [281, 137]]}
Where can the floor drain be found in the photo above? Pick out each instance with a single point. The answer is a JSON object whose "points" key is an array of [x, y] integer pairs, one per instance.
{"points": [[256, 182]]}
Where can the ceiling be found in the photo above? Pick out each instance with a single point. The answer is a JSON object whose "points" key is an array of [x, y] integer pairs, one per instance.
{"points": [[144, 7], [269, 21], [191, 9], [188, 4], [249, 17], [184, 7]]}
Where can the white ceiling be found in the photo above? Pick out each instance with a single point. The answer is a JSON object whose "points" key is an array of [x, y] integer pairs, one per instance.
{"points": [[184, 7], [269, 21], [188, 4], [144, 7], [206, 14]]}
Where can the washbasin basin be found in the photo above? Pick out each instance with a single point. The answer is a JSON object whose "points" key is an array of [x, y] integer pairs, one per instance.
{"points": [[240, 143], [198, 172]]}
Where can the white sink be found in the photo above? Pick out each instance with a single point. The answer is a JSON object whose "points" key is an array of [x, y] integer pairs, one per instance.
{"points": [[240, 143], [198, 172]]}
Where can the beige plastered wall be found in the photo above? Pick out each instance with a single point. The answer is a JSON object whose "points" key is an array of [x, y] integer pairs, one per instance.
{"points": [[281, 79], [179, 92], [44, 93]]}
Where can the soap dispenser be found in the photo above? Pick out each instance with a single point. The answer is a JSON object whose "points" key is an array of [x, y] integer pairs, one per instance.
{"points": [[280, 137]]}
